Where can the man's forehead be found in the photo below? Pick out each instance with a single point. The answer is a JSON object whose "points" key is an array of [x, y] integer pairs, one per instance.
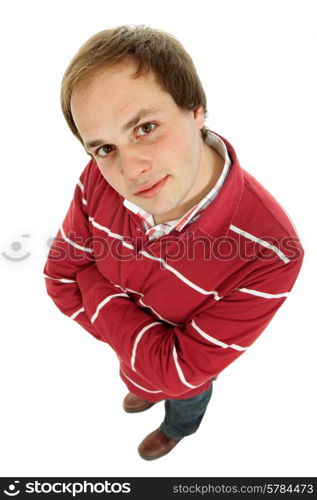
{"points": [[121, 71], [115, 89]]}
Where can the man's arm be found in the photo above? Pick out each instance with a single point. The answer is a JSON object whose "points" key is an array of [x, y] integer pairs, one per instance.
{"points": [[176, 359], [71, 252]]}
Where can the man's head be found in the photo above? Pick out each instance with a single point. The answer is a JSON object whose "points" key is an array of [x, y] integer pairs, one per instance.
{"points": [[151, 50], [134, 100]]}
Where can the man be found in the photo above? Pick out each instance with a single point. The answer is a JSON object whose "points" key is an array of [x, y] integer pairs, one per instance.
{"points": [[170, 252]]}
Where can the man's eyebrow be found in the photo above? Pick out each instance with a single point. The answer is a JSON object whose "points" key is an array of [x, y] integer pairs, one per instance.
{"points": [[135, 120], [131, 123]]}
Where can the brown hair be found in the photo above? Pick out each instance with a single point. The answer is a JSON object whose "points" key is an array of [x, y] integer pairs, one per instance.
{"points": [[152, 49]]}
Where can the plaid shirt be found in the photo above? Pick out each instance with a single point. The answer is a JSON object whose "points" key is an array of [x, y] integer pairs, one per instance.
{"points": [[155, 231]]}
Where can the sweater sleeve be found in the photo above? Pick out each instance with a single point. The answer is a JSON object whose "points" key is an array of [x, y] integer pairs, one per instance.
{"points": [[71, 252], [176, 359]]}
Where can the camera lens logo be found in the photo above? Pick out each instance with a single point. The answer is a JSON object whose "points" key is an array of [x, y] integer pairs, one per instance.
{"points": [[16, 247], [13, 492]]}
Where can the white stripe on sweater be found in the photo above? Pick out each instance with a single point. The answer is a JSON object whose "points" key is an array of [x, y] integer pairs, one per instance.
{"points": [[152, 257], [181, 276], [85, 249], [145, 305], [265, 295], [110, 233], [216, 341], [180, 372], [104, 302], [75, 314], [62, 280], [137, 385], [264, 243], [81, 186], [137, 340]]}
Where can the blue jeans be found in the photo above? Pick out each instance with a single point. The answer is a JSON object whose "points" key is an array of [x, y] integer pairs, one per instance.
{"points": [[183, 416]]}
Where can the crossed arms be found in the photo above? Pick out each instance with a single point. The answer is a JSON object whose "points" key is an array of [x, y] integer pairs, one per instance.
{"points": [[172, 359]]}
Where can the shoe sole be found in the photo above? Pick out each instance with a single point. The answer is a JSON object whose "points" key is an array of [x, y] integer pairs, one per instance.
{"points": [[138, 410]]}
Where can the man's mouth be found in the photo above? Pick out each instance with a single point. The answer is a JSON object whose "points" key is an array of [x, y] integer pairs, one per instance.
{"points": [[151, 189]]}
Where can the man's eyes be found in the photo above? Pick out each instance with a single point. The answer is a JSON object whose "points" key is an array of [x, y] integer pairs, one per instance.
{"points": [[105, 150], [146, 128], [141, 130]]}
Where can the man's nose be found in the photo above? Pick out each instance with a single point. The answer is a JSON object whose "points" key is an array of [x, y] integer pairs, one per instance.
{"points": [[134, 163]]}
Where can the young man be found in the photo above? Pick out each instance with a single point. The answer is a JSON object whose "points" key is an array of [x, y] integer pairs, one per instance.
{"points": [[170, 252]]}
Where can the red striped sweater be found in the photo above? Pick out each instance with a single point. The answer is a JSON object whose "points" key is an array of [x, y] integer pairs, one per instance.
{"points": [[179, 309]]}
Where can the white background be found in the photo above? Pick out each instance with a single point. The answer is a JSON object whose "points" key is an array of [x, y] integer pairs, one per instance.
{"points": [[61, 395]]}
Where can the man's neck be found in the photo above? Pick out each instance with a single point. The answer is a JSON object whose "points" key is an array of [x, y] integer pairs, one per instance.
{"points": [[214, 163]]}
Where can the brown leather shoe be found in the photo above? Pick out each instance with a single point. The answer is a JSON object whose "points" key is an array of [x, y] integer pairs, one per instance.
{"points": [[134, 404], [156, 445]]}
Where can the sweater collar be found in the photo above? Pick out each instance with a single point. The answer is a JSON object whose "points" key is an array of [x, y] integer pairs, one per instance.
{"points": [[216, 219]]}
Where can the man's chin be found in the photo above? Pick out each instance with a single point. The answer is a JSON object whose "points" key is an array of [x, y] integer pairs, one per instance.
{"points": [[165, 215], [157, 208]]}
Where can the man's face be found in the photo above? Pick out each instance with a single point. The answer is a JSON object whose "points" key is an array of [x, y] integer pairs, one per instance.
{"points": [[146, 147]]}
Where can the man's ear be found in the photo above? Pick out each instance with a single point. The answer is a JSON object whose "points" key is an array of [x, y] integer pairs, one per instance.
{"points": [[199, 116]]}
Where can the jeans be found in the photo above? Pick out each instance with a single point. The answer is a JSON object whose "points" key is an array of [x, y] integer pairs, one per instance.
{"points": [[183, 416]]}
